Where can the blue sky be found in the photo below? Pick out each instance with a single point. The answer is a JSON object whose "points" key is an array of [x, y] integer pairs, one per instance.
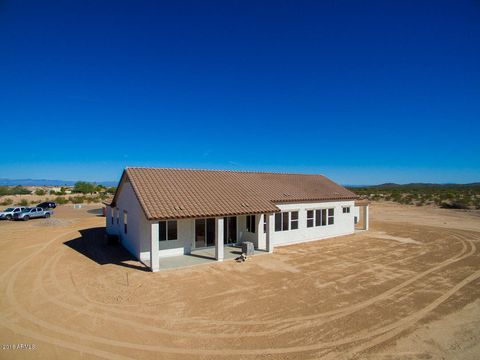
{"points": [[361, 91]]}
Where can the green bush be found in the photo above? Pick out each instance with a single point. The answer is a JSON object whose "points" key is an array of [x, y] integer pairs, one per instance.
{"points": [[6, 202], [84, 187], [77, 199], [16, 190], [39, 192], [23, 202], [61, 200]]}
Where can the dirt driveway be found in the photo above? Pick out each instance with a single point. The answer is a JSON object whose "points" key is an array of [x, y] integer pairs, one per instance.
{"points": [[407, 289]]}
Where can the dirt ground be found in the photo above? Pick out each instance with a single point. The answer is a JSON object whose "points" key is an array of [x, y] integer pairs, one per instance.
{"points": [[407, 289]]}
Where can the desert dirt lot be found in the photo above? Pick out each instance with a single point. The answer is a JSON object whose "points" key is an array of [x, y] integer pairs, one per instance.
{"points": [[407, 289]]}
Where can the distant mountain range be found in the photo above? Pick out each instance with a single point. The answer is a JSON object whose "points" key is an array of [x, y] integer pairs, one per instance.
{"points": [[415, 185], [46, 182]]}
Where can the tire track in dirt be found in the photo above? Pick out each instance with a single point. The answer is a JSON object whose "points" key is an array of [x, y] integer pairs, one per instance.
{"points": [[407, 321], [292, 349], [183, 333], [335, 313]]}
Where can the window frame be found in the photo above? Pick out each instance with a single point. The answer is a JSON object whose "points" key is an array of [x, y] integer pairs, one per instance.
{"points": [[285, 223], [293, 221], [320, 217], [250, 223], [125, 221], [166, 224], [346, 209]]}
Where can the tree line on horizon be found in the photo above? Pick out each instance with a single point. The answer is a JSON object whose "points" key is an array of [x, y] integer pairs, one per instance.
{"points": [[87, 192], [449, 196]]}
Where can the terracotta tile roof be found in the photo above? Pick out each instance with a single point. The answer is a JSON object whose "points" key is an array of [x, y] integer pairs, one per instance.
{"points": [[184, 193]]}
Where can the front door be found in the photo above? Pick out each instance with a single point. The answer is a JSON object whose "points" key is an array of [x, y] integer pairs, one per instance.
{"points": [[230, 230], [204, 232]]}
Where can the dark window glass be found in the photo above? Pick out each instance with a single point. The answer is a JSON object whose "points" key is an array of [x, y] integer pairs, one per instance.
{"points": [[294, 220], [162, 231], [278, 221], [210, 232], [318, 217], [309, 214], [200, 233], [309, 222], [172, 230], [230, 230], [330, 216], [285, 221], [225, 230], [264, 223], [324, 217]]}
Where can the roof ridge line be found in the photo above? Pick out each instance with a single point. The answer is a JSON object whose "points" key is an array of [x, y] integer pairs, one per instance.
{"points": [[222, 170]]}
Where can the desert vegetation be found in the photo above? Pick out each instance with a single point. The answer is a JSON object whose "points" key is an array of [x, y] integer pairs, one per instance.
{"points": [[449, 196], [81, 192]]}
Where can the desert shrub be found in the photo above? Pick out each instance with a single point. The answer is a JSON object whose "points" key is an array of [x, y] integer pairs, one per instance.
{"points": [[39, 192], [23, 202], [84, 187], [77, 199], [61, 200], [6, 202], [111, 190], [453, 205], [34, 202]]}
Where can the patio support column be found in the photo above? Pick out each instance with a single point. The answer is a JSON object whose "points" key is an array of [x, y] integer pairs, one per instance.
{"points": [[366, 216], [270, 229], [154, 260], [219, 239], [259, 227]]}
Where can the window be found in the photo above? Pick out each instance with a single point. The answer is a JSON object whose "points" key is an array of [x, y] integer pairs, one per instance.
{"points": [[320, 217], [346, 210], [112, 214], [167, 230], [118, 216], [324, 217], [124, 221], [265, 223], [310, 218], [330, 216], [278, 221], [286, 221], [294, 220], [251, 223]]}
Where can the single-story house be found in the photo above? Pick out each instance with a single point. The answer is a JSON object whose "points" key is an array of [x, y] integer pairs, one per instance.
{"points": [[159, 213]]}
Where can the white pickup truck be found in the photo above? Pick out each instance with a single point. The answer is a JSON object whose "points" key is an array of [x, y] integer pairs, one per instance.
{"points": [[9, 212], [31, 213]]}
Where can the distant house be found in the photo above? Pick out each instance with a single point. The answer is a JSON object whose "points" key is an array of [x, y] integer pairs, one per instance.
{"points": [[159, 213]]}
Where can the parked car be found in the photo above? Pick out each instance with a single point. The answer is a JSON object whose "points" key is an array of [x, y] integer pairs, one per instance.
{"points": [[31, 213], [9, 212], [47, 205]]}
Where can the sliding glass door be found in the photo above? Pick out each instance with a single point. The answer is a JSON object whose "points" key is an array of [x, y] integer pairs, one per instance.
{"points": [[204, 232], [230, 230]]}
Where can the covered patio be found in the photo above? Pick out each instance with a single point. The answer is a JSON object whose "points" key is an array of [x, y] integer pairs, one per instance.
{"points": [[209, 239], [201, 256]]}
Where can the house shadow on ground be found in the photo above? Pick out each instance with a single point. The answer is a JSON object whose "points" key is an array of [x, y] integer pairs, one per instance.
{"points": [[93, 244]]}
